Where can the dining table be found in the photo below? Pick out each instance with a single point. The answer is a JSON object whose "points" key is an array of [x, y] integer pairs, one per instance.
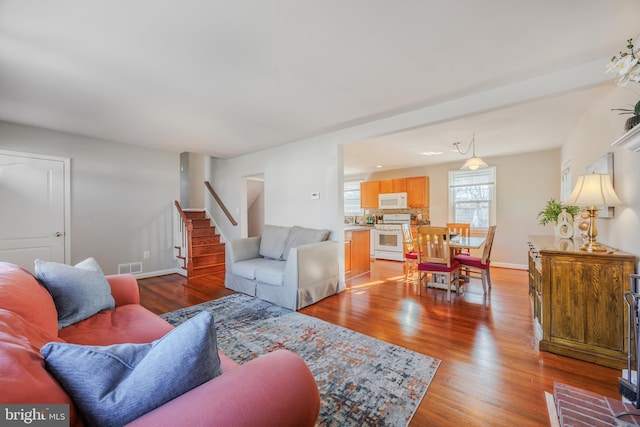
{"points": [[459, 242]]}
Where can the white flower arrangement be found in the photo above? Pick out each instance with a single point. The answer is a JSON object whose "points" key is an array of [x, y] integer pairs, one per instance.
{"points": [[625, 65]]}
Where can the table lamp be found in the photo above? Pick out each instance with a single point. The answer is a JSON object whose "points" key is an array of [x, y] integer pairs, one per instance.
{"points": [[591, 191]]}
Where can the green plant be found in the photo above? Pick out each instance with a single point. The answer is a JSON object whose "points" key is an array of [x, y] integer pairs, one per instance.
{"points": [[635, 110], [552, 209]]}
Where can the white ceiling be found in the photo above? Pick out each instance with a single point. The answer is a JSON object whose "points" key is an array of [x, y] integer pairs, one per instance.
{"points": [[225, 78], [538, 124]]}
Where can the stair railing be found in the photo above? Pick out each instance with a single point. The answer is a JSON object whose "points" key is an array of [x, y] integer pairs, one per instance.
{"points": [[222, 206], [185, 227]]}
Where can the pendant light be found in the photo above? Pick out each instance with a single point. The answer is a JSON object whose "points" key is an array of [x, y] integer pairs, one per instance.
{"points": [[474, 162]]}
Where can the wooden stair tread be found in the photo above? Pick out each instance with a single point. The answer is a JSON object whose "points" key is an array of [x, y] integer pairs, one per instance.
{"points": [[208, 253]]}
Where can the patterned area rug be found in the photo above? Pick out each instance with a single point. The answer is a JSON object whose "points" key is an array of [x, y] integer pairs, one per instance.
{"points": [[362, 381]]}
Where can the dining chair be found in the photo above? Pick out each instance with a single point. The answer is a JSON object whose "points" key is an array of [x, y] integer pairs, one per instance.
{"points": [[462, 229], [435, 259], [479, 267], [410, 248]]}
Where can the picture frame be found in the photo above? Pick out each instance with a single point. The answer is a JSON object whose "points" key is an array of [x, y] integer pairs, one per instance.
{"points": [[603, 164]]}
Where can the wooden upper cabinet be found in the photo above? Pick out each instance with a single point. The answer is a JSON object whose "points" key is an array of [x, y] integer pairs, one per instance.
{"points": [[397, 185], [417, 188], [369, 191], [386, 186]]}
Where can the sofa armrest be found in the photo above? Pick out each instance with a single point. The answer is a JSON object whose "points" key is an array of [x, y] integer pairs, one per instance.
{"points": [[242, 249], [276, 389], [124, 289], [311, 263]]}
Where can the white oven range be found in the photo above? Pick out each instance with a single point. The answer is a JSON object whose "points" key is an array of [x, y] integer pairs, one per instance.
{"points": [[388, 243]]}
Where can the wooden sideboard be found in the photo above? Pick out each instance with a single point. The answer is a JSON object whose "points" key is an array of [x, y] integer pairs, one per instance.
{"points": [[578, 300]]}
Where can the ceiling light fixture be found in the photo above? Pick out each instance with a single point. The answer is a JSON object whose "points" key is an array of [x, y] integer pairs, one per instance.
{"points": [[474, 162]]}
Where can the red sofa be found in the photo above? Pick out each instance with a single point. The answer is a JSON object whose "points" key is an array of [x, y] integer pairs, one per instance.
{"points": [[276, 389]]}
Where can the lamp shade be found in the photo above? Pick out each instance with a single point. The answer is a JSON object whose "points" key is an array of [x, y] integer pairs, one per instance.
{"points": [[474, 163], [594, 190]]}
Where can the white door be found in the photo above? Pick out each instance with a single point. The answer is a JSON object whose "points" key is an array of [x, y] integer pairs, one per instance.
{"points": [[33, 198]]}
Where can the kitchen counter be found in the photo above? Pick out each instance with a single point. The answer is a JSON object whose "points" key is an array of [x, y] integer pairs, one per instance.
{"points": [[351, 227]]}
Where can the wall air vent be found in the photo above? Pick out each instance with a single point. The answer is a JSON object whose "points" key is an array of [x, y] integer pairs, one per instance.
{"points": [[131, 268], [136, 267]]}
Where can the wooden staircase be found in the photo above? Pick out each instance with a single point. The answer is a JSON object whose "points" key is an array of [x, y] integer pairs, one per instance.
{"points": [[207, 253]]}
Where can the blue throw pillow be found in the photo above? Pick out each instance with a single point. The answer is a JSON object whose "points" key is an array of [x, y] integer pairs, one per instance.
{"points": [[113, 385], [78, 291]]}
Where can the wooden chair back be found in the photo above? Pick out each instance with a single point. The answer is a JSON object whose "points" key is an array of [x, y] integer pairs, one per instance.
{"points": [[434, 245], [408, 241], [461, 228], [488, 243]]}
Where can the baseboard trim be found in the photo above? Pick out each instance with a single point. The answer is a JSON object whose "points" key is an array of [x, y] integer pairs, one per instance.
{"points": [[157, 273], [508, 265]]}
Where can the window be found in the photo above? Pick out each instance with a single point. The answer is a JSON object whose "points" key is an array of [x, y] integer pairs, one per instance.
{"points": [[352, 198], [472, 197]]}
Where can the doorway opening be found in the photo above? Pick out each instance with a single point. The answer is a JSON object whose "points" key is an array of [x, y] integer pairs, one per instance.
{"points": [[254, 192]]}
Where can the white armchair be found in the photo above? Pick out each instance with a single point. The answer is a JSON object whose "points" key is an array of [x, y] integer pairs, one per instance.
{"points": [[292, 267]]}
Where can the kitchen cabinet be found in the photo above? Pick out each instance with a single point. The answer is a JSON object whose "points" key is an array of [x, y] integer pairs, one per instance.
{"points": [[578, 299], [397, 185], [417, 189], [356, 251], [372, 243], [369, 191], [417, 192], [347, 255]]}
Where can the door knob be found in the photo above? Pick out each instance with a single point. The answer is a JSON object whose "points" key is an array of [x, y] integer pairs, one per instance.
{"points": [[59, 234]]}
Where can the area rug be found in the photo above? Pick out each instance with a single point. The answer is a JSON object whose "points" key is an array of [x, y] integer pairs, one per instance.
{"points": [[362, 381], [575, 407]]}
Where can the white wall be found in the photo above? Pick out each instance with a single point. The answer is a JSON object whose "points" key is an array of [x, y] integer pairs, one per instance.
{"points": [[524, 183], [591, 139], [291, 173], [196, 181], [121, 196], [255, 210]]}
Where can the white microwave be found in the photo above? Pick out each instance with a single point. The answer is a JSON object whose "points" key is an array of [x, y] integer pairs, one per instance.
{"points": [[392, 201]]}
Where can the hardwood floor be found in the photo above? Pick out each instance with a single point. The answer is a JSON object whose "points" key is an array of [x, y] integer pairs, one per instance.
{"points": [[492, 373]]}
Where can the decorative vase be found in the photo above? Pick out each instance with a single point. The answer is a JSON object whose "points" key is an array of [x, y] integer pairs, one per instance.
{"points": [[631, 122], [564, 228]]}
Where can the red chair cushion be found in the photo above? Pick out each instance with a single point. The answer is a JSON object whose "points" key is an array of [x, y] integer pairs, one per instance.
{"points": [[472, 261], [441, 268], [411, 255]]}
